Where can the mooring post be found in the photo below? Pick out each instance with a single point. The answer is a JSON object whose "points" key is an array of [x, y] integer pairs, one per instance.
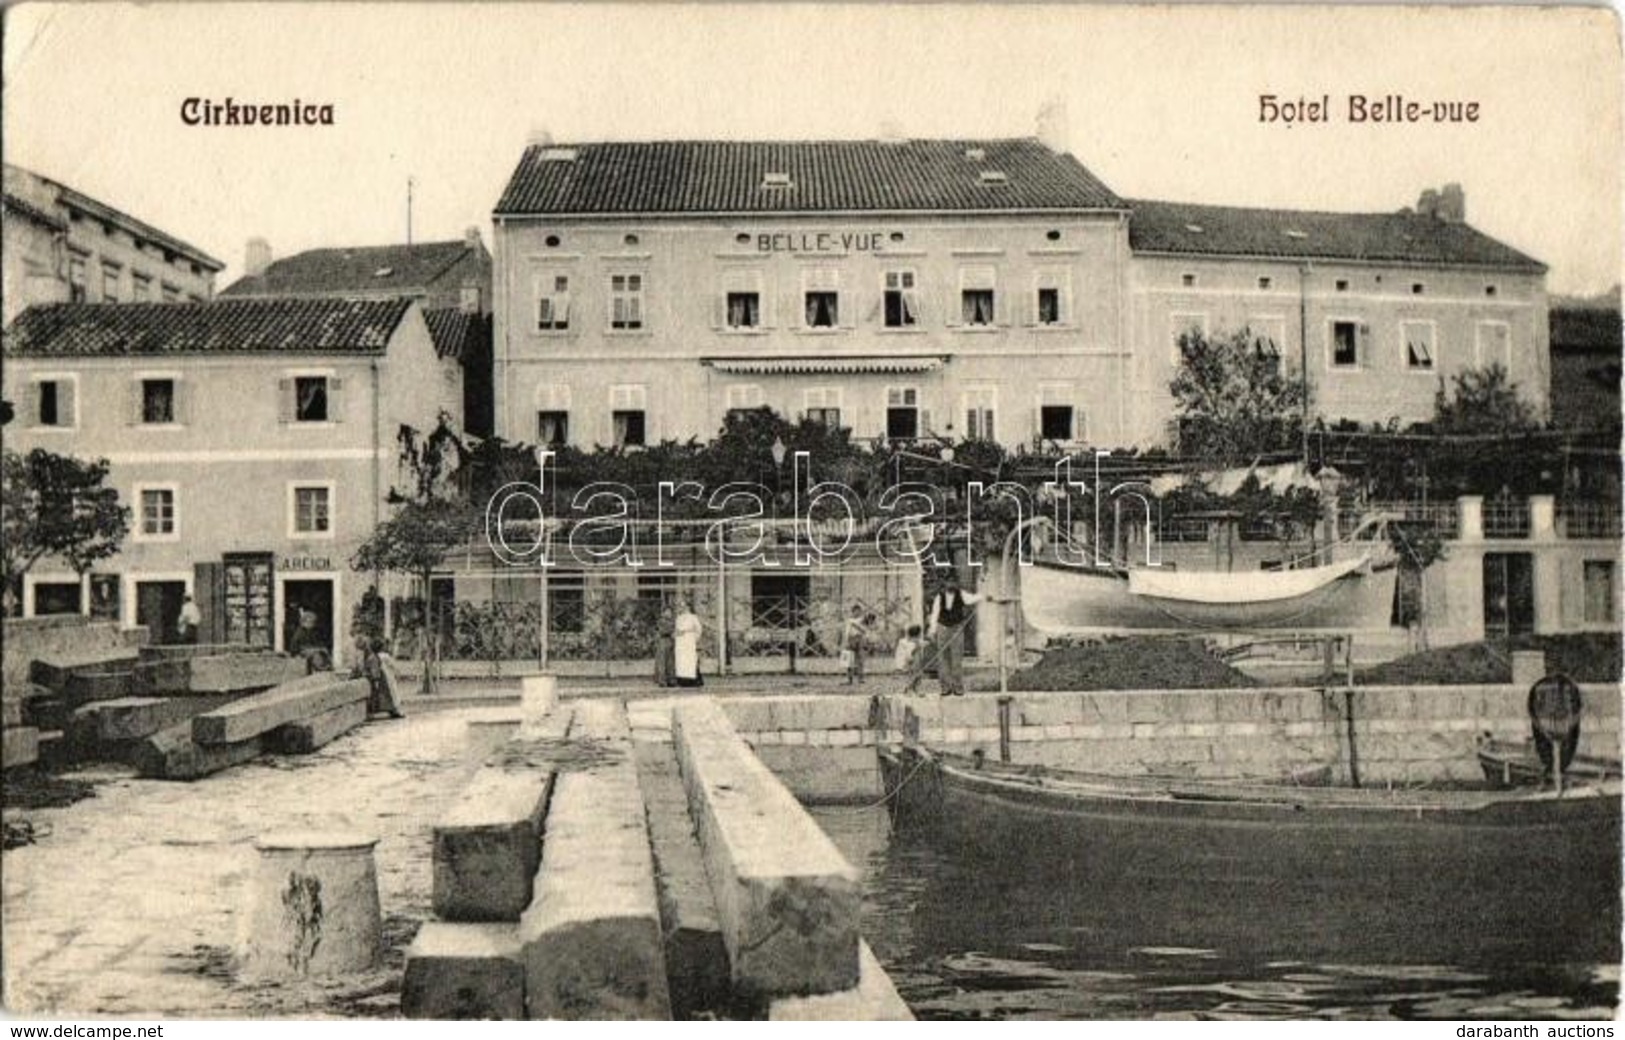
{"points": [[1004, 728], [314, 907]]}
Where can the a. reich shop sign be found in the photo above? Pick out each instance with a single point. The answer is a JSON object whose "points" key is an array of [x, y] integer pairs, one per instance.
{"points": [[820, 241]]}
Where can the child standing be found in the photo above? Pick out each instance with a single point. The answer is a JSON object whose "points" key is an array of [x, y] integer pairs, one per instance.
{"points": [[905, 659]]}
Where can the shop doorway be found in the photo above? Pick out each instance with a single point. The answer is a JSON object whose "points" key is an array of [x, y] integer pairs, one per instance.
{"points": [[313, 595], [1509, 594], [157, 606]]}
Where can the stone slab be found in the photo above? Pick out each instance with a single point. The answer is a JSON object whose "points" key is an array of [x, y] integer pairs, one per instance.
{"points": [[231, 672], [132, 718], [464, 972], [49, 712], [873, 999], [291, 702], [786, 898], [591, 935], [488, 845], [85, 687], [172, 754], [307, 735], [19, 746], [181, 651], [696, 956], [53, 670]]}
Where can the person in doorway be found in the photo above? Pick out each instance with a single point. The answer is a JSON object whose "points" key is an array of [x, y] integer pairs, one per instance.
{"points": [[950, 613], [370, 666], [665, 649], [189, 622], [307, 643], [686, 648]]}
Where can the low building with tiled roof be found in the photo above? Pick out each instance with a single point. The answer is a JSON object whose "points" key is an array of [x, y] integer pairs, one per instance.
{"points": [[466, 338], [62, 245], [944, 289], [254, 440], [454, 273]]}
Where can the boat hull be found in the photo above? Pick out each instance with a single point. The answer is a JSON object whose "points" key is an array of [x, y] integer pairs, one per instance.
{"points": [[1486, 878], [1057, 599], [1508, 764]]}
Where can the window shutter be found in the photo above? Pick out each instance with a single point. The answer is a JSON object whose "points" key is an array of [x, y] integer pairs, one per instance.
{"points": [[925, 429], [875, 314], [719, 309], [182, 406], [335, 399], [67, 404], [764, 292], [954, 311], [284, 400], [133, 402]]}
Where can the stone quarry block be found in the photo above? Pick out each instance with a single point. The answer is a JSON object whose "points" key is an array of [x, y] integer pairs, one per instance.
{"points": [[53, 670], [873, 999], [488, 845], [464, 972], [305, 736], [172, 754], [132, 718], [291, 702], [230, 672], [181, 651], [591, 935], [160, 676], [787, 899], [85, 687], [696, 956], [19, 746]]}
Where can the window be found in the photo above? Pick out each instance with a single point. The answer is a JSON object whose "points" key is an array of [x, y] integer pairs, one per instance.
{"points": [[310, 399], [1187, 280], [902, 412], [157, 512], [552, 428], [1417, 288], [110, 282], [1269, 338], [55, 403], [744, 397], [1052, 305], [977, 296], [901, 300], [822, 298], [1342, 285], [1599, 591], [1057, 418], [172, 294], [552, 415], [1493, 344], [312, 509], [1345, 344], [626, 301], [553, 302], [741, 300], [1264, 282], [566, 601], [627, 416], [823, 405], [1418, 339], [76, 279], [158, 401], [980, 404], [141, 288]]}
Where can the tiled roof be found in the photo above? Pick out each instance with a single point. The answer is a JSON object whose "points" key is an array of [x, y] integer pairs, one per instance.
{"points": [[221, 327], [363, 270], [853, 176], [458, 334], [23, 207], [139, 228], [1403, 237]]}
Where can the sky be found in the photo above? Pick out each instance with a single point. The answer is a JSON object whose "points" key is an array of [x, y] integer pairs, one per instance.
{"points": [[1159, 102]]}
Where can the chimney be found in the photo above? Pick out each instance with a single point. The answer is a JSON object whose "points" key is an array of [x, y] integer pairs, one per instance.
{"points": [[256, 258], [471, 238], [1428, 204], [1452, 204], [1053, 131]]}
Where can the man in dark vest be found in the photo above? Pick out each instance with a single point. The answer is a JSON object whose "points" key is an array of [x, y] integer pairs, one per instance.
{"points": [[950, 613]]}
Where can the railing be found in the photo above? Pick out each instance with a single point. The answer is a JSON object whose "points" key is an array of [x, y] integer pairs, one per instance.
{"points": [[1443, 517], [1506, 517], [1588, 520]]}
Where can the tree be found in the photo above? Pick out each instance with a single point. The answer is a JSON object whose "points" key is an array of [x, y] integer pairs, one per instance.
{"points": [[1234, 401], [1485, 401], [56, 505], [416, 541]]}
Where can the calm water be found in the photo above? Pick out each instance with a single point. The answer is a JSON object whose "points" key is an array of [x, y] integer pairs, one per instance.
{"points": [[964, 941]]}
